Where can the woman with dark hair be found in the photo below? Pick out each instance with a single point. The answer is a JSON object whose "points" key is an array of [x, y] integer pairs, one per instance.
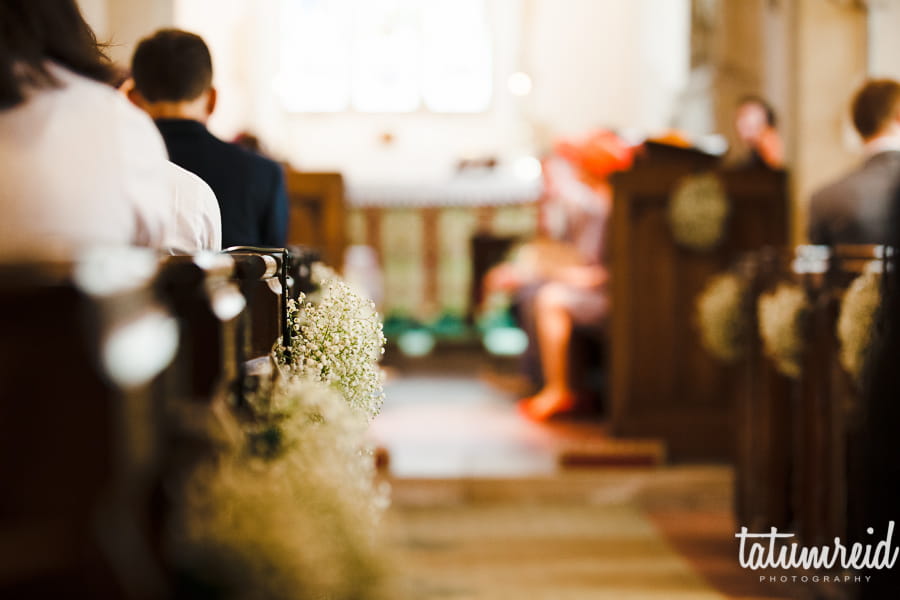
{"points": [[79, 165]]}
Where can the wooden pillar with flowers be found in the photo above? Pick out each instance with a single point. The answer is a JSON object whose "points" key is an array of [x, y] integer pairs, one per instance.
{"points": [[678, 219]]}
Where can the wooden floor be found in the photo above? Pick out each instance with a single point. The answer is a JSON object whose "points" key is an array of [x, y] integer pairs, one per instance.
{"points": [[600, 534], [484, 508]]}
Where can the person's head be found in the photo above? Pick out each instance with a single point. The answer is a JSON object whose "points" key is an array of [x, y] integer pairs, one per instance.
{"points": [[876, 108], [172, 72], [33, 33], [753, 117]]}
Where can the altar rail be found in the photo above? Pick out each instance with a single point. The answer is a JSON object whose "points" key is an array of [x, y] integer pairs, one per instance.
{"points": [[100, 360]]}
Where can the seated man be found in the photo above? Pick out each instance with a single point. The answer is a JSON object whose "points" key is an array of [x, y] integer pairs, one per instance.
{"points": [[856, 208], [172, 73], [196, 220]]}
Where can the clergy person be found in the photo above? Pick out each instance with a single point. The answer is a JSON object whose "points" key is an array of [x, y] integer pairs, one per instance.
{"points": [[856, 209], [172, 73]]}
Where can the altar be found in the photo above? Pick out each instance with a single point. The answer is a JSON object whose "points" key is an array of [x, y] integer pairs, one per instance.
{"points": [[422, 232]]}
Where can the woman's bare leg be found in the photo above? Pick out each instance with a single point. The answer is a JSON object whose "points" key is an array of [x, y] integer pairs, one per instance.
{"points": [[554, 331]]}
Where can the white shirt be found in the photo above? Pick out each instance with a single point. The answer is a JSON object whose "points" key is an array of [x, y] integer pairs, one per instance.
{"points": [[889, 142], [81, 166], [197, 220]]}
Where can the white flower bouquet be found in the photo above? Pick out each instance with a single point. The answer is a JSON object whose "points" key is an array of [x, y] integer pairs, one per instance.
{"points": [[291, 519], [722, 317], [698, 212], [782, 320], [856, 323], [337, 340]]}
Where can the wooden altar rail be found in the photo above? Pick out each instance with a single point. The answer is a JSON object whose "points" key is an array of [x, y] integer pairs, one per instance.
{"points": [[799, 464], [95, 358]]}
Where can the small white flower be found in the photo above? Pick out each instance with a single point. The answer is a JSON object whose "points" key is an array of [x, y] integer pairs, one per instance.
{"points": [[338, 341]]}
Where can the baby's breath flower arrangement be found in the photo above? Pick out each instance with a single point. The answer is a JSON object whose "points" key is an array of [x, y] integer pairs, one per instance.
{"points": [[292, 513], [782, 318], [698, 212], [288, 509], [322, 273], [722, 317], [856, 323], [337, 340]]}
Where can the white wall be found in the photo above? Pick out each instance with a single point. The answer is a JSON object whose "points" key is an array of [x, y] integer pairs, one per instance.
{"points": [[122, 23], [884, 43], [608, 63], [593, 63]]}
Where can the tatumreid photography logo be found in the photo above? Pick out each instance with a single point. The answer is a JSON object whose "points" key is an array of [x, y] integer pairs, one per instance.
{"points": [[774, 550]]}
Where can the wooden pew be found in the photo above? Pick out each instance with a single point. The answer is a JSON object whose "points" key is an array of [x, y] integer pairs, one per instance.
{"points": [[800, 465], [261, 275], [663, 384], [487, 251], [108, 401], [318, 213], [815, 474], [299, 269], [844, 408], [79, 447], [763, 410], [777, 429], [200, 292]]}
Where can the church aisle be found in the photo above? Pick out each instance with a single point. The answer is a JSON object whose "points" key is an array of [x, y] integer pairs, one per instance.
{"points": [[617, 534], [482, 510]]}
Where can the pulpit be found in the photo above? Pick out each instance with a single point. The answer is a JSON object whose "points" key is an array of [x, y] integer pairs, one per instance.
{"points": [[663, 384]]}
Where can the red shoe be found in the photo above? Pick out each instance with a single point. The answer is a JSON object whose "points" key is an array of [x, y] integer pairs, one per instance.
{"points": [[546, 405]]}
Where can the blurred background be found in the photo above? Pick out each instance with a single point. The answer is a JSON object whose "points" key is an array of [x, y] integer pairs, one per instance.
{"points": [[424, 141]]}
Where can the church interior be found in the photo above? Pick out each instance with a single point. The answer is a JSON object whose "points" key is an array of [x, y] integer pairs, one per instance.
{"points": [[550, 299]]}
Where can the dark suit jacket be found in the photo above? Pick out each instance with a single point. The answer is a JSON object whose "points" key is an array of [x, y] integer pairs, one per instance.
{"points": [[857, 209], [249, 187]]}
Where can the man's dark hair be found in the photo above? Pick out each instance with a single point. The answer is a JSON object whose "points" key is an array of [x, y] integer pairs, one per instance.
{"points": [[771, 117], [875, 105], [171, 66], [35, 32]]}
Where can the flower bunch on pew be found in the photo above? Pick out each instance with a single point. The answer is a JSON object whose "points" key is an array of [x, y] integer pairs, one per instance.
{"points": [[782, 316], [337, 340], [698, 212], [722, 317], [291, 513], [856, 323]]}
